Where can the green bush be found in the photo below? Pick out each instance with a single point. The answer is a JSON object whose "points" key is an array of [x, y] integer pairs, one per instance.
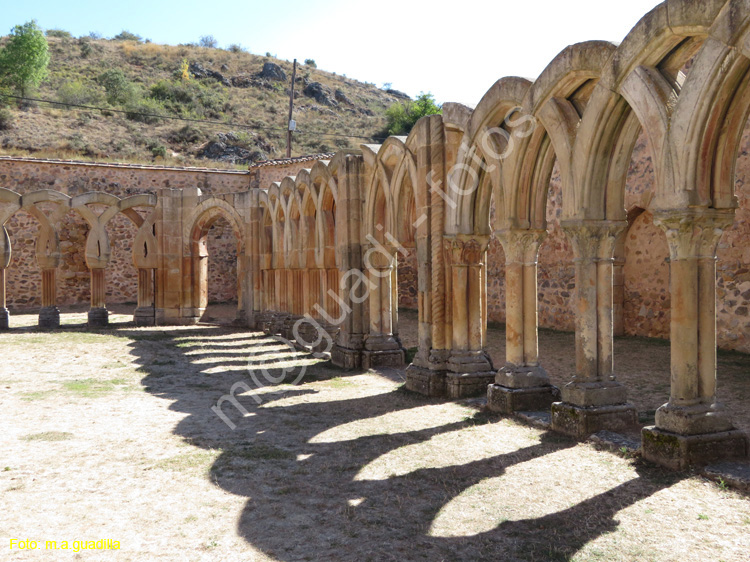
{"points": [[311, 62], [76, 92], [24, 58], [120, 91], [186, 135], [402, 116], [144, 110], [190, 98], [6, 119], [236, 48], [157, 149], [125, 35], [59, 33]]}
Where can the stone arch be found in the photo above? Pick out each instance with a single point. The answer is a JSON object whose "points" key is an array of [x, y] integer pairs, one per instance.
{"points": [[195, 235]]}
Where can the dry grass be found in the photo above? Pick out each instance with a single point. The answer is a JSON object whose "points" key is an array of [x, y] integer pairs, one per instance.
{"points": [[55, 132], [344, 466]]}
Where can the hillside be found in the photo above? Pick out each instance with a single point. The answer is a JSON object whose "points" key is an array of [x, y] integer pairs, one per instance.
{"points": [[230, 86]]}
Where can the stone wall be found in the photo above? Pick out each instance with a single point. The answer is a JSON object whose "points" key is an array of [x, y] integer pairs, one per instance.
{"points": [[24, 175]]}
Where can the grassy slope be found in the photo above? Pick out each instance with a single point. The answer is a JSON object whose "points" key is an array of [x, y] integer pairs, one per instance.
{"points": [[46, 131]]}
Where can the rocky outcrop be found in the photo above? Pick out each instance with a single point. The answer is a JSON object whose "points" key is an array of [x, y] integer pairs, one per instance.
{"points": [[226, 149], [200, 71], [272, 71], [320, 93]]}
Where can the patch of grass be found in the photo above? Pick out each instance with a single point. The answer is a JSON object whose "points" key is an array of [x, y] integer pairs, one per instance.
{"points": [[36, 395], [92, 387], [703, 517], [48, 436], [189, 461], [339, 382]]}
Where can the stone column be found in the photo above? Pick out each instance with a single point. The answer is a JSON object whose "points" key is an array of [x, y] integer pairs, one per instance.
{"points": [[5, 255], [470, 368], [522, 385], [594, 400], [4, 314], [692, 428], [49, 315], [98, 314], [382, 346], [144, 313]]}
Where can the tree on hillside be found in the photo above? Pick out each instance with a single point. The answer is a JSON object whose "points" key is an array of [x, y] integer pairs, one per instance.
{"points": [[402, 116], [24, 60]]}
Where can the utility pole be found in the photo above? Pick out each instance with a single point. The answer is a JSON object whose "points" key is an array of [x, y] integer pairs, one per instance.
{"points": [[292, 125]]}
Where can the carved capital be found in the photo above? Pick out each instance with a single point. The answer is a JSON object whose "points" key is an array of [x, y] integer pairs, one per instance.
{"points": [[521, 245], [465, 249], [694, 233], [593, 240]]}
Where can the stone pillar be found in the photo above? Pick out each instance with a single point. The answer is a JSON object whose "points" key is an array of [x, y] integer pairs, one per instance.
{"points": [[5, 255], [352, 290], [594, 400], [144, 313], [4, 314], [49, 315], [692, 428], [382, 346], [470, 368], [98, 314], [522, 385]]}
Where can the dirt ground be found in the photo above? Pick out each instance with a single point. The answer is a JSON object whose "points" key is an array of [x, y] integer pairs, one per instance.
{"points": [[111, 435]]}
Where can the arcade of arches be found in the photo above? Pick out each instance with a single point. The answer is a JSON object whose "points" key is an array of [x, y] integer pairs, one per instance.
{"points": [[603, 192]]}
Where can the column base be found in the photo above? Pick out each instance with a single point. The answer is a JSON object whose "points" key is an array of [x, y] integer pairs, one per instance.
{"points": [[309, 333], [693, 420], [345, 358], [580, 422], [49, 318], [276, 325], [144, 316], [680, 452], [510, 400], [4, 319], [395, 358], [464, 385], [98, 317], [425, 381], [287, 327]]}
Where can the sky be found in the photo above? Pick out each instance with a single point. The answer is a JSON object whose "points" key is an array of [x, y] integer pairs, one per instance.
{"points": [[454, 50]]}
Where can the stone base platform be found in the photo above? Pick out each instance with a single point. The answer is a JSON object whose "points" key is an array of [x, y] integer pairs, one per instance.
{"points": [[580, 422], [680, 452], [49, 318], [383, 358], [144, 316], [464, 385], [349, 359], [98, 317], [509, 400], [4, 319], [425, 381]]}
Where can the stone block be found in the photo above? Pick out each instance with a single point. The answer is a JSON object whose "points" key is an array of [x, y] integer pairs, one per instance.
{"points": [[4, 319], [592, 394], [144, 316], [49, 318], [425, 381], [98, 317], [349, 359], [463, 385], [580, 422], [680, 452], [509, 400], [395, 358]]}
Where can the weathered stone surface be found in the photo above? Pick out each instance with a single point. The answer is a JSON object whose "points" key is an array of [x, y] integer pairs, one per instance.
{"points": [[510, 400], [580, 422], [320, 93], [426, 382], [272, 71], [680, 452]]}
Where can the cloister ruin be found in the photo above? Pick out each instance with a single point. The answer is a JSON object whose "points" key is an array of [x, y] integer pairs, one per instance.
{"points": [[324, 242]]}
